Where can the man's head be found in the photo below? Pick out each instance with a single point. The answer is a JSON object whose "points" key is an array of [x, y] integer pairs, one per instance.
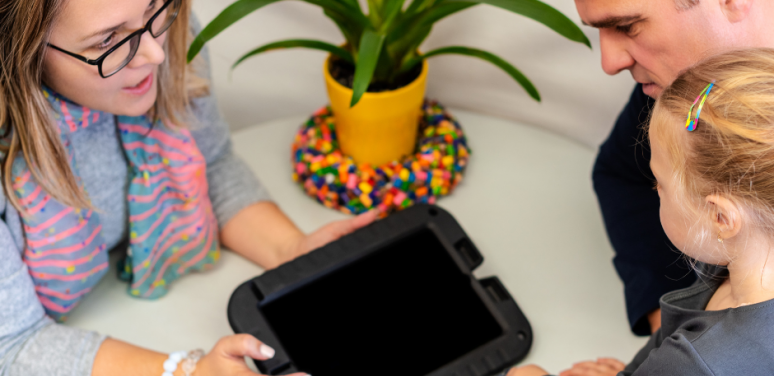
{"points": [[657, 39]]}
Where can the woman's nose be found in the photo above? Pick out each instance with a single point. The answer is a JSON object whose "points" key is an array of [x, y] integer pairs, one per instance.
{"points": [[615, 57], [150, 51]]}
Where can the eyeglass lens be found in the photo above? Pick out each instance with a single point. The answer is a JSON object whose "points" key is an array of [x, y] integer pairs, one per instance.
{"points": [[125, 53]]}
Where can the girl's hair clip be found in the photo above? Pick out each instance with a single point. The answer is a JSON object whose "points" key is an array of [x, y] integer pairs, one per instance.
{"points": [[690, 125]]}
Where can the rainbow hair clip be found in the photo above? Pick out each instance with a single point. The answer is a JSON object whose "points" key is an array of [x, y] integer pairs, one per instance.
{"points": [[690, 125]]}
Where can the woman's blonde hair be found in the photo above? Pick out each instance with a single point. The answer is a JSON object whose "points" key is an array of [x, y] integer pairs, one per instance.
{"points": [[25, 115], [731, 152]]}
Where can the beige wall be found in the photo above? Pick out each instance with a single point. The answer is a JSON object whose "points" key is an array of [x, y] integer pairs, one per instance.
{"points": [[579, 100]]}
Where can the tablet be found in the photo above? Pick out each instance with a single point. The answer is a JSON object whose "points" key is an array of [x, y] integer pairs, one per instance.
{"points": [[397, 297]]}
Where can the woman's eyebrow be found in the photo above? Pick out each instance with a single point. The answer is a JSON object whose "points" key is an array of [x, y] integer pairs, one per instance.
{"points": [[102, 32]]}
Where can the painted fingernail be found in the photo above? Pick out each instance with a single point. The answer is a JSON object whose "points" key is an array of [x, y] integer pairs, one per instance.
{"points": [[266, 351]]}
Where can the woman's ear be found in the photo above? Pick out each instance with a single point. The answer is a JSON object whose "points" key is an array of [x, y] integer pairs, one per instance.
{"points": [[725, 216], [736, 10]]}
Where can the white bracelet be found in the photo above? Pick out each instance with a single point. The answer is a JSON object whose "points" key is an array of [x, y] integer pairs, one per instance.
{"points": [[170, 365], [189, 363]]}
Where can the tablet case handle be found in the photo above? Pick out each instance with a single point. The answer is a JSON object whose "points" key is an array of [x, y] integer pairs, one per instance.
{"points": [[469, 253]]}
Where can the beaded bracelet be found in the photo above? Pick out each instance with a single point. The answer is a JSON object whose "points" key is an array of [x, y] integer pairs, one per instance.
{"points": [[188, 359], [189, 363]]}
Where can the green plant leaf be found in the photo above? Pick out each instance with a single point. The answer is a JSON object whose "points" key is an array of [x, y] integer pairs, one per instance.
{"points": [[226, 18], [350, 31], [292, 43], [417, 6], [370, 47], [354, 4], [492, 58], [352, 15], [540, 12], [442, 10], [405, 48], [411, 32], [390, 10]]}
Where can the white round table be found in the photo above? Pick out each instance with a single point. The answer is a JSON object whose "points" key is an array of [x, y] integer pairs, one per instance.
{"points": [[526, 202]]}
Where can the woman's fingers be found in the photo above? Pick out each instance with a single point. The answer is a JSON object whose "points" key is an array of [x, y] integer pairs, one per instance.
{"points": [[242, 345], [347, 226], [335, 230]]}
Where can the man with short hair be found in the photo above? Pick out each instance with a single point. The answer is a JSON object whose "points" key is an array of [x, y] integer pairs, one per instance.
{"points": [[654, 40]]}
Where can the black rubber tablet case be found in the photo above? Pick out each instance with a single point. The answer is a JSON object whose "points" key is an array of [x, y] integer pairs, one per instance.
{"points": [[395, 298]]}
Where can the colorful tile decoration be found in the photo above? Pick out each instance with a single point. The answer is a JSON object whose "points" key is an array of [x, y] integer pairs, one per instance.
{"points": [[337, 182]]}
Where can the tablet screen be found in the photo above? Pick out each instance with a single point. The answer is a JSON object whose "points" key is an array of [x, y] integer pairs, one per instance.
{"points": [[406, 309]]}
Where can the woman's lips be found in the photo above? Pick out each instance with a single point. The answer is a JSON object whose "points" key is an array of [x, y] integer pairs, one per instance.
{"points": [[142, 87]]}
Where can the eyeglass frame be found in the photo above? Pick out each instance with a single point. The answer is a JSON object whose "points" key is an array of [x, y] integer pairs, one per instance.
{"points": [[98, 61]]}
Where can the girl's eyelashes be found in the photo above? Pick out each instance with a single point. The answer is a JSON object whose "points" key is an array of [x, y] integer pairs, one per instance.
{"points": [[656, 186]]}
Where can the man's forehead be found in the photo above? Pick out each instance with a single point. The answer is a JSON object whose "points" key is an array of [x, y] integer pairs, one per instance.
{"points": [[609, 13]]}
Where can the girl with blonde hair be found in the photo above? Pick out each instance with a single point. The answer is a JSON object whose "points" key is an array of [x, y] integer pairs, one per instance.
{"points": [[715, 179], [110, 141]]}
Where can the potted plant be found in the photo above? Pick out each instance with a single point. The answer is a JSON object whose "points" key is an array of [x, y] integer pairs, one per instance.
{"points": [[376, 80]]}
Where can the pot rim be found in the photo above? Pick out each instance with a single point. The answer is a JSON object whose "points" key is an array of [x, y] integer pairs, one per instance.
{"points": [[383, 94]]}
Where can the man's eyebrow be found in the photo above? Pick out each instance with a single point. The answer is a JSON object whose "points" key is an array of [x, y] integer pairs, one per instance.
{"points": [[613, 21], [102, 32]]}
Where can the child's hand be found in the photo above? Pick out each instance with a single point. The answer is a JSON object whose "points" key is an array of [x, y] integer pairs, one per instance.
{"points": [[530, 370], [600, 367]]}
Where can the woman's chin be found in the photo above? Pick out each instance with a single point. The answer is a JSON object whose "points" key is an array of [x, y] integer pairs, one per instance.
{"points": [[140, 107]]}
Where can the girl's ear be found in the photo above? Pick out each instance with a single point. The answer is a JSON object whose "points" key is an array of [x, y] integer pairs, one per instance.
{"points": [[725, 216]]}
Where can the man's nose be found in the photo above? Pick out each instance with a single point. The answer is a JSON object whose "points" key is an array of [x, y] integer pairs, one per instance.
{"points": [[615, 57]]}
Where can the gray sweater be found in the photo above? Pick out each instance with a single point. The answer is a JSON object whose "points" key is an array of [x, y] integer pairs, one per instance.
{"points": [[693, 342], [32, 344]]}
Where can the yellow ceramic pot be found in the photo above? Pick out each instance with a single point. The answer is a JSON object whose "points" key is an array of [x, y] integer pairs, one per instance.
{"points": [[382, 127]]}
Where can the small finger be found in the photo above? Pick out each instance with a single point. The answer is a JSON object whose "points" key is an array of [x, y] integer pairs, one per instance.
{"points": [[588, 369], [588, 363], [612, 362]]}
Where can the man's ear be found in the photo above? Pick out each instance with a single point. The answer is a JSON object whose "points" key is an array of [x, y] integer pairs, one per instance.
{"points": [[736, 10], [725, 216]]}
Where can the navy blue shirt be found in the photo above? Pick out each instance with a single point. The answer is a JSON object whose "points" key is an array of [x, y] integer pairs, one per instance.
{"points": [[647, 262]]}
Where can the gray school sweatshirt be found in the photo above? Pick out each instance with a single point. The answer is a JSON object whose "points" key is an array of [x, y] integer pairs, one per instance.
{"points": [[693, 342], [32, 344]]}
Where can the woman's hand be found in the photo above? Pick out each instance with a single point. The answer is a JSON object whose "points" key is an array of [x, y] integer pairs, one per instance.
{"points": [[600, 367], [330, 232], [227, 358], [263, 234], [529, 370]]}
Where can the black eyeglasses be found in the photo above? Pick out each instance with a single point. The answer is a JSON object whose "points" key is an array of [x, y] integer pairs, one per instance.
{"points": [[123, 52]]}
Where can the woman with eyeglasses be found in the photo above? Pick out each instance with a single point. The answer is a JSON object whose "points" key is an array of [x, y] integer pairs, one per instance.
{"points": [[111, 141]]}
